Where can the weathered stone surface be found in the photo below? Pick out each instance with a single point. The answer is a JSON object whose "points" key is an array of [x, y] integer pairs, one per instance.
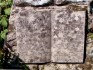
{"points": [[33, 34], [32, 67], [47, 67], [68, 32], [32, 2], [88, 65]]}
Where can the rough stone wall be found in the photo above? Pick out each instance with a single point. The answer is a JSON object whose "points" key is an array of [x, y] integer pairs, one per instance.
{"points": [[87, 65]]}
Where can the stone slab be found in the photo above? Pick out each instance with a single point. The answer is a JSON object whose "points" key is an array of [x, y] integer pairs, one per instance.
{"points": [[49, 35], [33, 34], [68, 33], [31, 2]]}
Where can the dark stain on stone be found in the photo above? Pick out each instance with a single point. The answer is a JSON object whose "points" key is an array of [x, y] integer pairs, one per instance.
{"points": [[43, 35], [71, 39], [87, 66], [31, 60], [15, 11], [24, 13], [76, 8]]}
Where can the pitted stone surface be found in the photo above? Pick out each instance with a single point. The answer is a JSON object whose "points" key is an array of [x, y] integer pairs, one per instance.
{"points": [[33, 35], [32, 2], [68, 32], [49, 34], [87, 65]]}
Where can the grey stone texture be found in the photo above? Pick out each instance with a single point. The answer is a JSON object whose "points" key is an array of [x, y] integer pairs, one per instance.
{"points": [[31, 2], [33, 34], [87, 65], [45, 34], [68, 33]]}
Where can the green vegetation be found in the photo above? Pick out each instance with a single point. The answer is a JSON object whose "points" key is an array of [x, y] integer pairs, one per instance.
{"points": [[6, 62], [5, 7]]}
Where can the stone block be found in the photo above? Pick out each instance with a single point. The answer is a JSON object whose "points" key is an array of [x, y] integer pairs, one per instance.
{"points": [[32, 2], [68, 34], [49, 35], [33, 33]]}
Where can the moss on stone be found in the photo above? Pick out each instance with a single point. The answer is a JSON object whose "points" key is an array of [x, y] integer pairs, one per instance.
{"points": [[76, 8]]}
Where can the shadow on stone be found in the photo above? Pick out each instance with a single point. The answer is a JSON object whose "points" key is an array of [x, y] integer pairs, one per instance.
{"points": [[64, 3], [86, 32], [25, 4], [11, 61], [91, 7]]}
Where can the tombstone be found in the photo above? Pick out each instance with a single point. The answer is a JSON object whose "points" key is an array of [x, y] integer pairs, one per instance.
{"points": [[49, 35]]}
